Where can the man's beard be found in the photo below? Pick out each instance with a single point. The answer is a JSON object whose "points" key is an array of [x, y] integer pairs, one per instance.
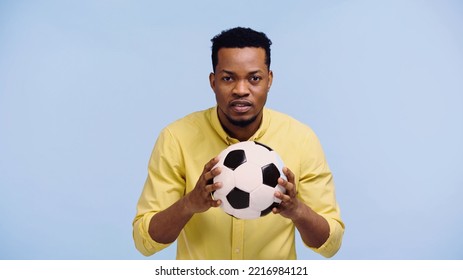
{"points": [[241, 123]]}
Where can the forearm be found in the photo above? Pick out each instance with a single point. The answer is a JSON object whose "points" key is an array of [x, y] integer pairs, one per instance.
{"points": [[166, 225], [313, 228]]}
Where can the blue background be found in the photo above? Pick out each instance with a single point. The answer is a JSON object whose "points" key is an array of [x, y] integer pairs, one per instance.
{"points": [[86, 86]]}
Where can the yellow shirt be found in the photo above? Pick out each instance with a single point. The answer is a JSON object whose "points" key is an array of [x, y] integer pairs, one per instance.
{"points": [[177, 160]]}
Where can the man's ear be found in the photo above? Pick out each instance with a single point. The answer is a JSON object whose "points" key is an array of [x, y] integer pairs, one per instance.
{"points": [[212, 80], [270, 79]]}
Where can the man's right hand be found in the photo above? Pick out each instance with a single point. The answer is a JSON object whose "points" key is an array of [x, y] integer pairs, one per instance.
{"points": [[200, 198]]}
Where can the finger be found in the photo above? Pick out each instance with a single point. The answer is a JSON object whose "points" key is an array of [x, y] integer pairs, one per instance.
{"points": [[209, 176], [291, 190], [285, 198], [289, 174], [208, 171], [289, 187], [213, 187], [280, 208], [215, 203], [279, 195], [291, 181], [210, 164]]}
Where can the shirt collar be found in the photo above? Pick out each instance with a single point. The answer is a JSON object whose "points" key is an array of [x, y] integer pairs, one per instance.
{"points": [[215, 122]]}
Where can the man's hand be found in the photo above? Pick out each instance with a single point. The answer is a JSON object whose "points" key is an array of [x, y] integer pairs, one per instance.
{"points": [[289, 205], [200, 198], [314, 229]]}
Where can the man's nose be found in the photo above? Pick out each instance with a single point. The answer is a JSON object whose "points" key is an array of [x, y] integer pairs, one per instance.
{"points": [[241, 88]]}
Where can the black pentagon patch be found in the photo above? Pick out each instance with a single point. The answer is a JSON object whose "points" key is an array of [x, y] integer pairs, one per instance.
{"points": [[234, 159], [260, 144], [269, 209], [238, 199], [270, 175]]}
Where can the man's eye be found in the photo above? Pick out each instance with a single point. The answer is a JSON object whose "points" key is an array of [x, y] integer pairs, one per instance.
{"points": [[226, 79], [255, 78]]}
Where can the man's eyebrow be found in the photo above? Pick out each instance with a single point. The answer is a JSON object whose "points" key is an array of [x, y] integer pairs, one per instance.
{"points": [[233, 73], [228, 72]]}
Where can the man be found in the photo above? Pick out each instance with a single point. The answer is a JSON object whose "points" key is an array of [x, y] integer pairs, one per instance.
{"points": [[176, 202]]}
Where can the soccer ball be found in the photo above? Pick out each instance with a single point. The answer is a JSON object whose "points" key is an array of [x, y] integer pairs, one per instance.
{"points": [[250, 172]]}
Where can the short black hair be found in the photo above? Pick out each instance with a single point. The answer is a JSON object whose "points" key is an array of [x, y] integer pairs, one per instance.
{"points": [[240, 37]]}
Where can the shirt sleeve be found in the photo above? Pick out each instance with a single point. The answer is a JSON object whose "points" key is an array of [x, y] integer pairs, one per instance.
{"points": [[164, 185], [316, 189]]}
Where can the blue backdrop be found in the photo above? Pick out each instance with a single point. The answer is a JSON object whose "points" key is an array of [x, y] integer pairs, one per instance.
{"points": [[86, 86]]}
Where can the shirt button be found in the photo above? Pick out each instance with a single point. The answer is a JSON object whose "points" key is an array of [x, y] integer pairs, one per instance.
{"points": [[237, 250]]}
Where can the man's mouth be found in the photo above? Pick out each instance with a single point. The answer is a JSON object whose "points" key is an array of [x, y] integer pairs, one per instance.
{"points": [[241, 106]]}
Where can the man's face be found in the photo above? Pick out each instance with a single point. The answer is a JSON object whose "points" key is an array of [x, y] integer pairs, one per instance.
{"points": [[241, 83]]}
